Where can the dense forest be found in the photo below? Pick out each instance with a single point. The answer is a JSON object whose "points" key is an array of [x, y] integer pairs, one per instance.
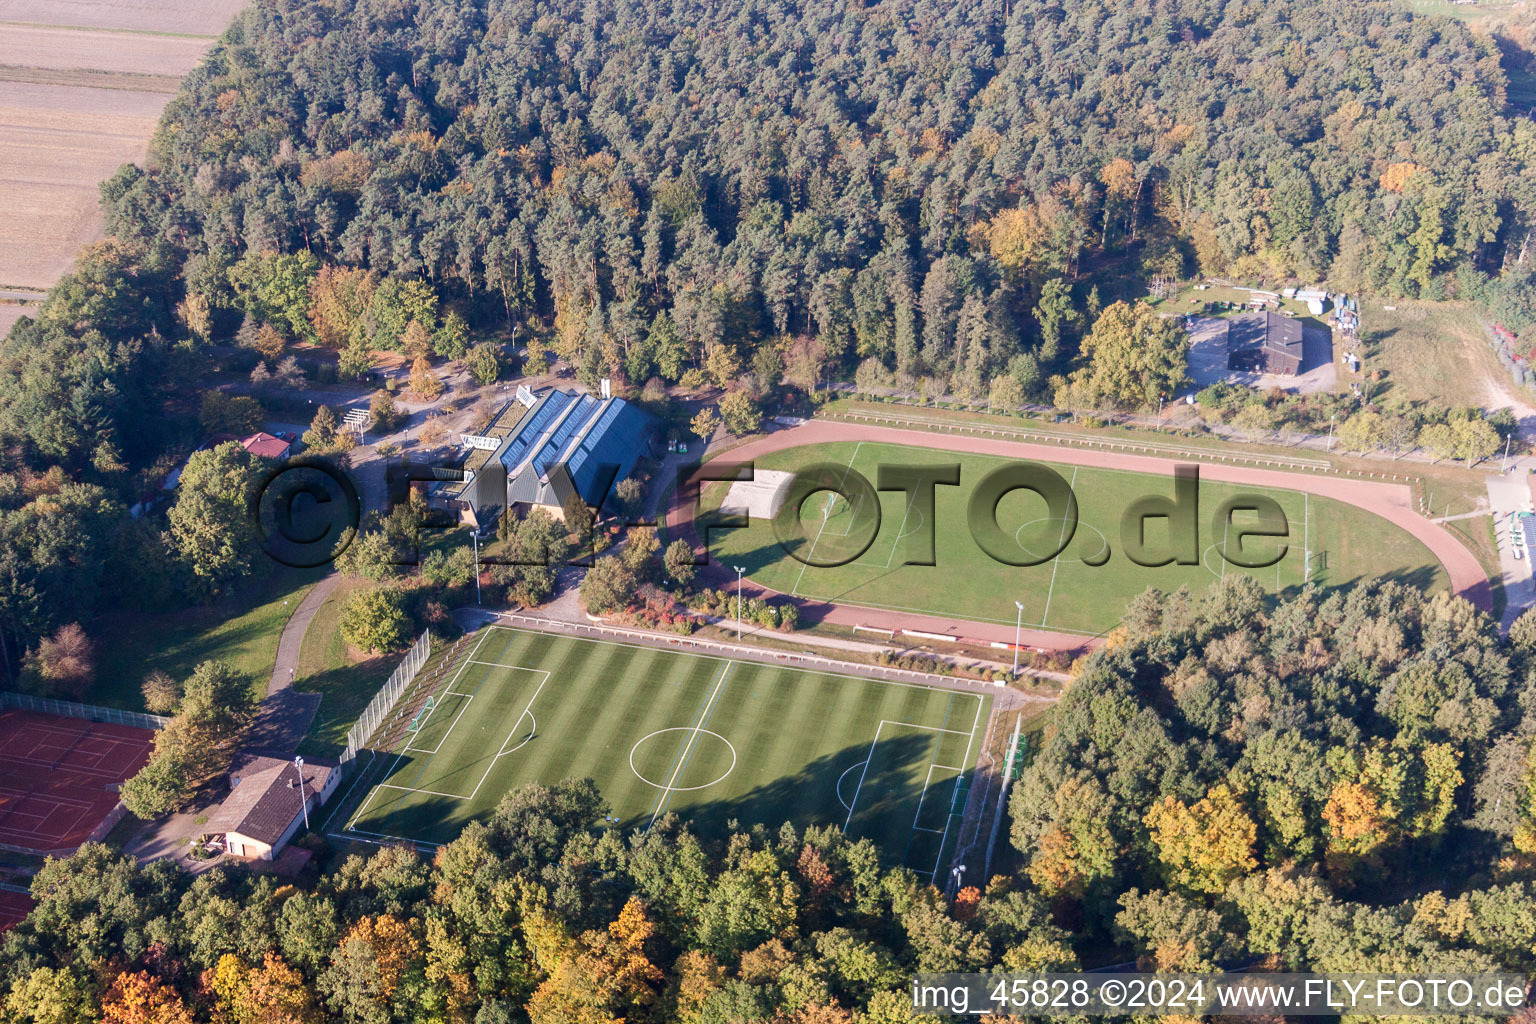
{"points": [[645, 187], [1340, 784]]}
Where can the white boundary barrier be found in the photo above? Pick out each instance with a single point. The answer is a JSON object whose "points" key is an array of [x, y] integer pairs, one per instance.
{"points": [[383, 702], [89, 712], [758, 654]]}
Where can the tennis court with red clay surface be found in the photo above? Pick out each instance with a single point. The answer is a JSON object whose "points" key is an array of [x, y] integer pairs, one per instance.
{"points": [[59, 777], [14, 908]]}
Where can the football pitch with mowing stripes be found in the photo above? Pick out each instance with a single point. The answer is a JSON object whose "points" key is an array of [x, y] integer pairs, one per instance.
{"points": [[663, 731]]}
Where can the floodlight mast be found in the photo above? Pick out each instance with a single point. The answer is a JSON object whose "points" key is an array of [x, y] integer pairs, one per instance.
{"points": [[1018, 630], [739, 571], [298, 762]]}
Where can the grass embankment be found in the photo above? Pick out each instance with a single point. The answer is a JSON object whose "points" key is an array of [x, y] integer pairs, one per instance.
{"points": [[242, 631], [346, 678]]}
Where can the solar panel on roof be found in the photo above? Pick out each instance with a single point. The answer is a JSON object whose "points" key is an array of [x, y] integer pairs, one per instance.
{"points": [[552, 450], [595, 435], [530, 431]]}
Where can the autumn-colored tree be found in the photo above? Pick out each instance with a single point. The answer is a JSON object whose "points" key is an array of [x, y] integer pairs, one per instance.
{"points": [[1078, 848], [424, 382], [705, 423], [338, 300], [696, 977], [196, 313], [273, 993], [161, 692], [1475, 439], [417, 341], [1006, 393], [1357, 822], [66, 660], [610, 975], [1395, 177], [1440, 439], [1204, 846], [1121, 187], [723, 365], [1134, 356], [389, 944], [141, 998], [1384, 794], [641, 549], [678, 561], [740, 414], [805, 363], [1363, 432], [1016, 237], [433, 431], [966, 902]]}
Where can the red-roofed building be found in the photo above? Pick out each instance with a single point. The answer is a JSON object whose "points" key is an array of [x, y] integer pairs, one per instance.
{"points": [[265, 445]]}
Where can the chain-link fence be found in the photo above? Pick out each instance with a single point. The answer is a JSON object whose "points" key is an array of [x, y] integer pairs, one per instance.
{"points": [[89, 712], [378, 709]]}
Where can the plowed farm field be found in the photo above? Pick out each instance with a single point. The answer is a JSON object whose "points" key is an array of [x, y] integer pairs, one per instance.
{"points": [[82, 85]]}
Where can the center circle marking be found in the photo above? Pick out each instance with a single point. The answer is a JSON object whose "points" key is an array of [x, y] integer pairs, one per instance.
{"points": [[681, 789]]}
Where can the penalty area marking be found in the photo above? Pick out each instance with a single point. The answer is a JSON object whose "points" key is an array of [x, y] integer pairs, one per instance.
{"points": [[931, 765], [502, 751], [839, 787]]}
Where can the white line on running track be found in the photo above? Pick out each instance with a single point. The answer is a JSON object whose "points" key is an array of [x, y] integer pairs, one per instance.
{"points": [[808, 554], [1056, 562]]}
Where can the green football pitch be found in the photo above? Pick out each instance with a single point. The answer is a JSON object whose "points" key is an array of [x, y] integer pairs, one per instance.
{"points": [[1329, 542], [663, 731]]}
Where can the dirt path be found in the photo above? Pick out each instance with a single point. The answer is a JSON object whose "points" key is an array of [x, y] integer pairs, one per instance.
{"points": [[1393, 502], [1497, 391]]}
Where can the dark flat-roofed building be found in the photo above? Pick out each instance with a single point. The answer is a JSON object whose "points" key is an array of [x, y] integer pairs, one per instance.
{"points": [[1264, 343]]}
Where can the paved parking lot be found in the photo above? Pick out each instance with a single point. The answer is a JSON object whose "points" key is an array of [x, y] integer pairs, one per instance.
{"points": [[1509, 493]]}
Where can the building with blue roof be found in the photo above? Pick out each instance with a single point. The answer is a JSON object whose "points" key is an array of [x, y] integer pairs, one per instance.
{"points": [[565, 441]]}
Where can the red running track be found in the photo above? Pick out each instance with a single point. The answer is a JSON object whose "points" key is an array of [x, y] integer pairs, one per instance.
{"points": [[1393, 502]]}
